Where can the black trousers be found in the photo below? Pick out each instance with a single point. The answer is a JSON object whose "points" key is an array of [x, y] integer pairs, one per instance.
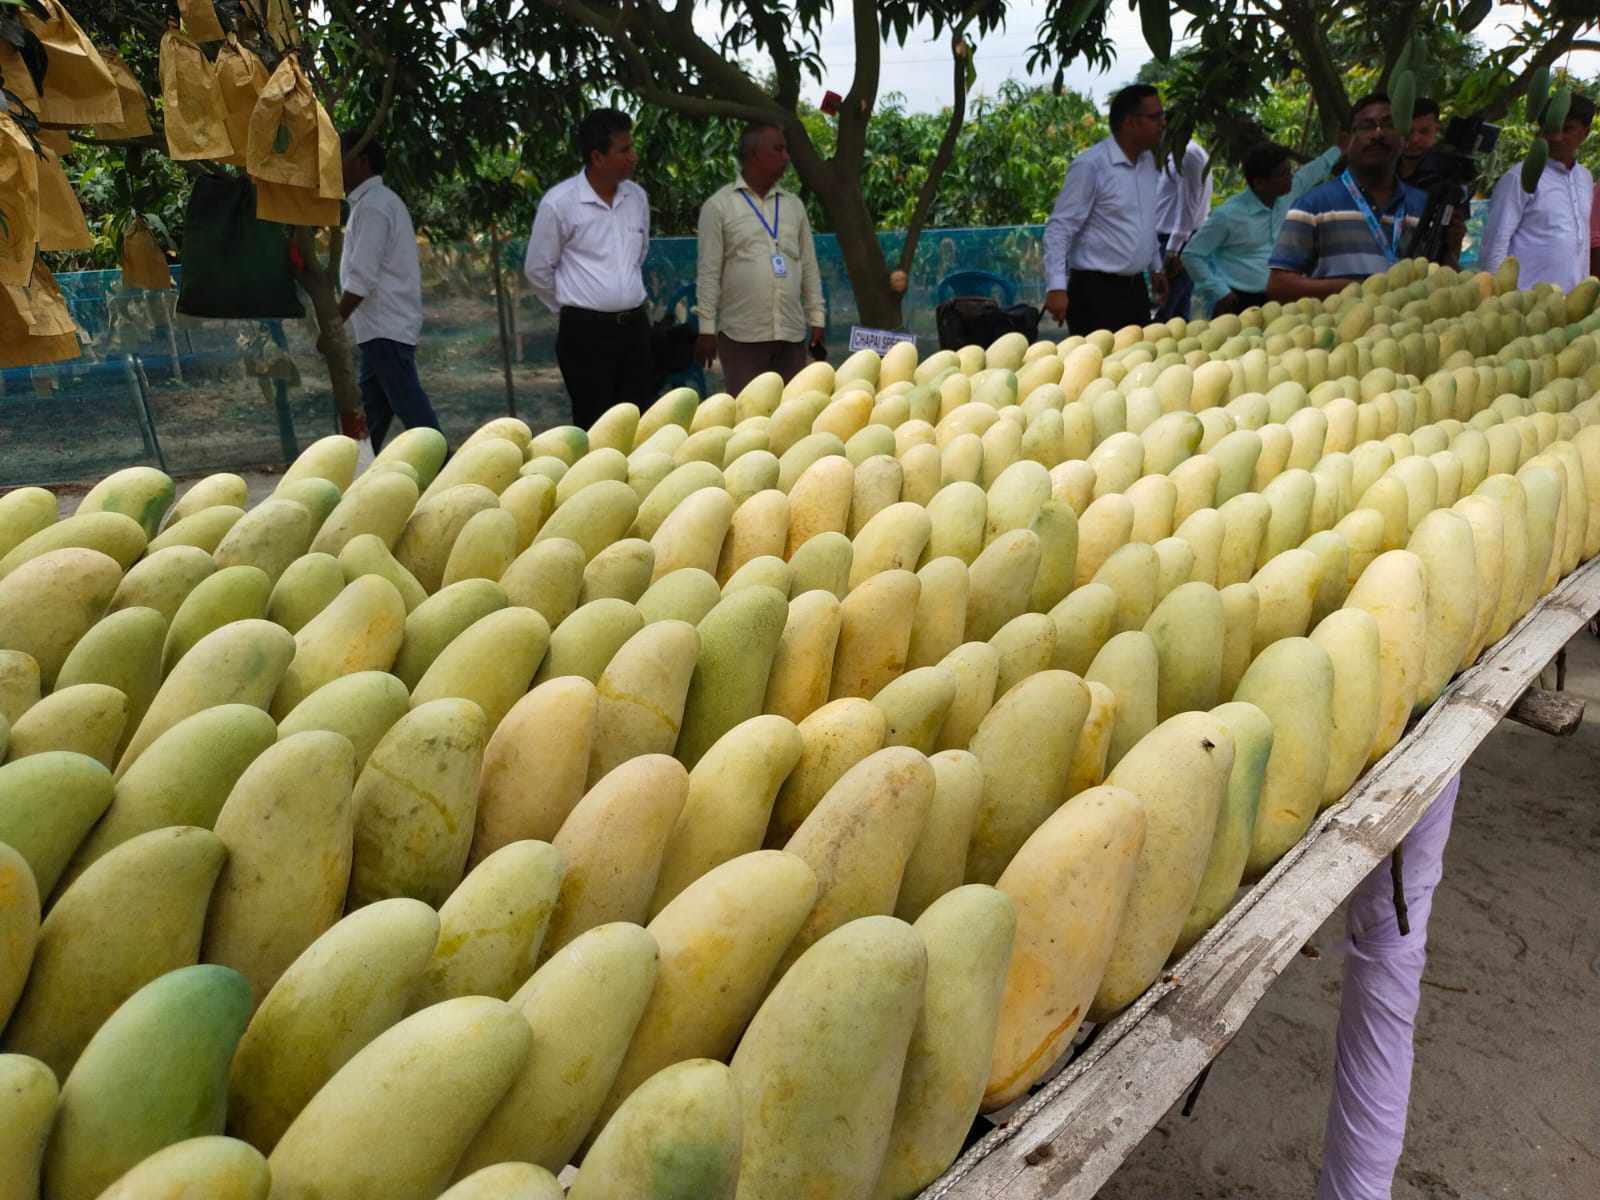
{"points": [[1096, 300], [604, 360]]}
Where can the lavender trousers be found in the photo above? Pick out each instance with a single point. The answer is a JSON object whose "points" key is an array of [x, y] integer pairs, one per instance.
{"points": [[1377, 1013]]}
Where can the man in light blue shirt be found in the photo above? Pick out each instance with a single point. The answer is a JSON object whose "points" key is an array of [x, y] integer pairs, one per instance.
{"points": [[1227, 257]]}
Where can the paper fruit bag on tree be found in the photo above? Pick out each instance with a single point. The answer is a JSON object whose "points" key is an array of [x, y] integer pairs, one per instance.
{"points": [[78, 87], [19, 203], [200, 20], [19, 74], [330, 158], [294, 205], [135, 119], [196, 122], [35, 324], [61, 223], [283, 129], [241, 78], [143, 263]]}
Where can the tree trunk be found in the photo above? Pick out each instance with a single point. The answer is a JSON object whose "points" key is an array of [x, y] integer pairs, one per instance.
{"points": [[333, 343]]}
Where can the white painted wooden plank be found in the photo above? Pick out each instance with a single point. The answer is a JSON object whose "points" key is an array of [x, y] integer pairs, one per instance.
{"points": [[1068, 1139]]}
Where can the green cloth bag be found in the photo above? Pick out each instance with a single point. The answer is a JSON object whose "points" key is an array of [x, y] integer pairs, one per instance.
{"points": [[234, 265]]}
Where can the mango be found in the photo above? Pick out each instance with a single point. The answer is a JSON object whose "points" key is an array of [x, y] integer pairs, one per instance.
{"points": [[48, 804], [210, 1166], [51, 601], [87, 718], [270, 536], [30, 1092], [238, 593], [118, 537], [738, 640], [162, 579], [430, 534], [535, 766], [491, 664], [362, 706]]}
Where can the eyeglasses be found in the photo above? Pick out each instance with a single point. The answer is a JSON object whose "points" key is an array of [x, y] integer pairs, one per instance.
{"points": [[1386, 125]]}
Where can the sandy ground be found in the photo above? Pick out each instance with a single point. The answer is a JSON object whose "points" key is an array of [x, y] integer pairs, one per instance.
{"points": [[1506, 1092]]}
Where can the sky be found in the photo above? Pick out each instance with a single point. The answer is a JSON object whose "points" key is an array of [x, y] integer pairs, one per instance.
{"points": [[920, 69]]}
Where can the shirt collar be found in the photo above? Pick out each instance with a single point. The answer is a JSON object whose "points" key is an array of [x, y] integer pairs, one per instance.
{"points": [[739, 182], [370, 184], [590, 196], [1118, 154]]}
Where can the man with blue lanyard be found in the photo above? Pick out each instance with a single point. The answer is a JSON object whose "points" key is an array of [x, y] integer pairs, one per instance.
{"points": [[758, 292], [1355, 225]]}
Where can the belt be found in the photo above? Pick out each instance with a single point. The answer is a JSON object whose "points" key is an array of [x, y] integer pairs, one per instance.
{"points": [[592, 314], [1086, 271]]}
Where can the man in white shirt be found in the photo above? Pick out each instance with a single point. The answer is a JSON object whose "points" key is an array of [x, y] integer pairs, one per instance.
{"points": [[585, 261], [380, 278], [1548, 232], [1101, 235], [758, 292], [1183, 201]]}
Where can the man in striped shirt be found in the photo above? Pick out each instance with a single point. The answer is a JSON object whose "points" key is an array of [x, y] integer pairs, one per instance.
{"points": [[1357, 224]]}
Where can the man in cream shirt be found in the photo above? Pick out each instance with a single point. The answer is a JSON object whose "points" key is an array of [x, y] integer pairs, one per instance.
{"points": [[585, 261], [758, 291]]}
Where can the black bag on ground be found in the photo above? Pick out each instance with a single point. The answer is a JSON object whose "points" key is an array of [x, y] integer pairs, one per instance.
{"points": [[234, 266], [978, 321]]}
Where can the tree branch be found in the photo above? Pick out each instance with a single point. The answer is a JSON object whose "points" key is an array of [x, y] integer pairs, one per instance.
{"points": [[1547, 54], [770, 28], [1300, 23], [960, 54], [863, 94]]}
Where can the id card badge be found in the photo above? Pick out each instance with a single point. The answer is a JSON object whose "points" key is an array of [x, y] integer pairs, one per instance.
{"points": [[780, 268]]}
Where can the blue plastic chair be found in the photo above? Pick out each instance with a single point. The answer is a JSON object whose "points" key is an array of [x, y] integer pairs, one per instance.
{"points": [[976, 283]]}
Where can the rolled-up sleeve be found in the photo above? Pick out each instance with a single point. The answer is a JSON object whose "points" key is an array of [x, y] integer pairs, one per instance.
{"points": [[708, 266], [544, 251], [1073, 205]]}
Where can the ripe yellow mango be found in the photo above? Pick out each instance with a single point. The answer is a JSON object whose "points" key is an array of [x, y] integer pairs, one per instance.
{"points": [[939, 623], [31, 1094], [485, 547], [361, 630], [874, 634], [1025, 745], [307, 587], [507, 1181], [491, 663], [332, 458], [414, 804], [493, 925], [118, 537], [613, 843], [1488, 548], [162, 579], [535, 766], [20, 911], [1444, 542], [439, 620], [1351, 638], [287, 826], [968, 935], [819, 1069], [1187, 629], [220, 1167], [270, 536], [976, 666], [834, 738], [582, 1006], [155, 1074], [430, 533], [1103, 528], [859, 838], [202, 530], [87, 718], [23, 513], [1394, 590], [720, 939], [1130, 665], [367, 555], [397, 1117], [345, 989], [89, 961], [546, 577], [938, 862], [1508, 493], [819, 499], [1180, 773], [51, 601], [380, 505], [802, 667], [1001, 582], [48, 803], [738, 641], [422, 449], [1230, 845]]}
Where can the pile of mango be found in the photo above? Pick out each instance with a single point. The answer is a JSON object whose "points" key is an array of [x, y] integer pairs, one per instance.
{"points": [[735, 798]]}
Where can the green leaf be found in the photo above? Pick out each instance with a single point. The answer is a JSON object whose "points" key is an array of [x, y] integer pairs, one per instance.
{"points": [[280, 141]]}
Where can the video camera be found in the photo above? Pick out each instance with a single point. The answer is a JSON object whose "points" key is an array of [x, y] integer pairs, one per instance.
{"points": [[1456, 155]]}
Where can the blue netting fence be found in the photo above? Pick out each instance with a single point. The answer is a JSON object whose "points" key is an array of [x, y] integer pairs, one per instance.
{"points": [[195, 396]]}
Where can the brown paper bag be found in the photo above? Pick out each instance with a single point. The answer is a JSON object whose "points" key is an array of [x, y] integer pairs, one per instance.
{"points": [[78, 87], [143, 263], [135, 119], [283, 129], [294, 206], [54, 140], [17, 78], [330, 158], [19, 203], [279, 22], [196, 122], [241, 77], [200, 20], [35, 324], [61, 223]]}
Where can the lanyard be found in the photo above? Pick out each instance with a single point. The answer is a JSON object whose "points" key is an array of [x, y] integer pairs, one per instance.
{"points": [[772, 230], [1392, 250]]}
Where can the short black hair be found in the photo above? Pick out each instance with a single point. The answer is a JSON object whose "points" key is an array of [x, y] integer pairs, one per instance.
{"points": [[373, 151], [1425, 106], [597, 129], [1367, 101], [1581, 110], [1126, 102], [1263, 160]]}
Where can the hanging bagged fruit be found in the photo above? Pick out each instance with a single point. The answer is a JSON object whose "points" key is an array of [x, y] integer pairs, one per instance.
{"points": [[78, 88], [200, 20], [19, 203], [241, 78], [144, 265], [283, 129], [135, 119], [61, 223], [35, 323], [330, 158], [195, 120]]}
